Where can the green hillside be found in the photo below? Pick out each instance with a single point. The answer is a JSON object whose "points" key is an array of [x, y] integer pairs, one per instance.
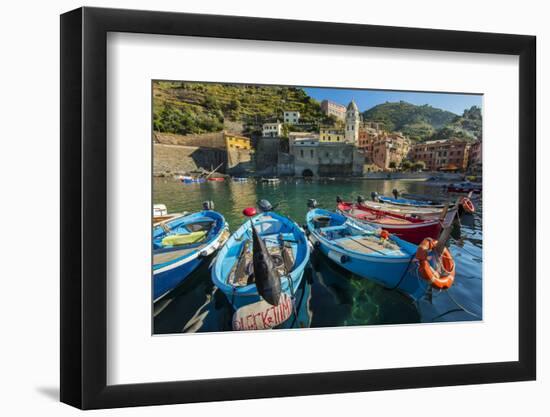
{"points": [[417, 122], [468, 126], [184, 108]]}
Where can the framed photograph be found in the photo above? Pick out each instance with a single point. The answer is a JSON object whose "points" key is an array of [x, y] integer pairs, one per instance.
{"points": [[256, 208]]}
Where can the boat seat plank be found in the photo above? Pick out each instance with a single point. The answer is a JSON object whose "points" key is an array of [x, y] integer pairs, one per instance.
{"points": [[160, 258], [366, 245]]}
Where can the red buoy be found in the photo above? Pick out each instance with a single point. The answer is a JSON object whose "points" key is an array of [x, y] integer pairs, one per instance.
{"points": [[249, 211]]}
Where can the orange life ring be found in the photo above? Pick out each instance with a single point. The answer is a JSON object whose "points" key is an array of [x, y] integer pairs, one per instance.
{"points": [[467, 205], [441, 281]]}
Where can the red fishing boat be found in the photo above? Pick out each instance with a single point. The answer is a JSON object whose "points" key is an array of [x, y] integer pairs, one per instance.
{"points": [[216, 179], [406, 227]]}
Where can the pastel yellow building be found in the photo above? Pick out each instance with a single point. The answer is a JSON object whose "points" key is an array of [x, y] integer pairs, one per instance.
{"points": [[233, 141], [330, 134]]}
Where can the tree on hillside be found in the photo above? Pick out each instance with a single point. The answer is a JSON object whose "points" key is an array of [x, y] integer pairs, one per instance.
{"points": [[210, 102]]}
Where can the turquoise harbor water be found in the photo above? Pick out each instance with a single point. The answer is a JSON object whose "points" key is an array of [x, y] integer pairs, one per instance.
{"points": [[329, 296]]}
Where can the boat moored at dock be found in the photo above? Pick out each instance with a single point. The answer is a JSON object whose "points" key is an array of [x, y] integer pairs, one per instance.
{"points": [[181, 244], [271, 180], [405, 226], [402, 201], [425, 213], [260, 267], [366, 251], [465, 187], [191, 180]]}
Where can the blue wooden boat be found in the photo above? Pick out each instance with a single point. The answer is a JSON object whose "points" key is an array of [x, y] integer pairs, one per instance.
{"points": [[287, 245], [181, 244], [366, 251], [401, 201]]}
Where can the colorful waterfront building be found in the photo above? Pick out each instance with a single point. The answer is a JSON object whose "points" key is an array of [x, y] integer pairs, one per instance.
{"points": [[442, 155], [389, 150], [475, 157], [368, 133], [234, 141], [332, 134], [330, 108], [240, 155]]}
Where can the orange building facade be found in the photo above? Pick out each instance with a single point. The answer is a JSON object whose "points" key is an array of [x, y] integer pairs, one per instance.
{"points": [[447, 154]]}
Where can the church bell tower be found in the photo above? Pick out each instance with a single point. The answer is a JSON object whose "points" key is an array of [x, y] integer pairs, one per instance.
{"points": [[352, 123]]}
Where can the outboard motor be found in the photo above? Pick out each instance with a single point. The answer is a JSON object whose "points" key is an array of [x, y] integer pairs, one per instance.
{"points": [[339, 199], [374, 196], [267, 279], [311, 203], [208, 205], [360, 199], [265, 206], [395, 193]]}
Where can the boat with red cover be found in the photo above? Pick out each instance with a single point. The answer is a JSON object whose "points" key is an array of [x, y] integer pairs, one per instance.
{"points": [[407, 227], [424, 213]]}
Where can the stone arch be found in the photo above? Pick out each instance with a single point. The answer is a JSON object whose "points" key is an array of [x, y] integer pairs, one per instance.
{"points": [[307, 173]]}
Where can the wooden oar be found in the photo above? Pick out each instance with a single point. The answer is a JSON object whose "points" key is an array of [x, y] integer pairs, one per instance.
{"points": [[444, 212], [442, 240], [218, 167], [239, 266]]}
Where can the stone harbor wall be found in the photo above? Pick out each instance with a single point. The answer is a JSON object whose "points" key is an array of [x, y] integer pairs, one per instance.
{"points": [[171, 160], [213, 140], [267, 150], [240, 162]]}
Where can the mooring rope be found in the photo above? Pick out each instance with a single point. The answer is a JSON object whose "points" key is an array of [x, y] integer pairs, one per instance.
{"points": [[402, 276]]}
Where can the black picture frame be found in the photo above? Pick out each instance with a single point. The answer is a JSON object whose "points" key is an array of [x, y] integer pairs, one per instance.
{"points": [[84, 207]]}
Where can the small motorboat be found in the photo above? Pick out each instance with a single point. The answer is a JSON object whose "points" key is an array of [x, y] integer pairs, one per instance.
{"points": [[421, 197], [260, 267], [366, 251], [465, 187], [218, 179], [181, 244], [160, 214], [271, 180], [401, 201], [240, 179], [191, 180], [418, 201], [405, 226]]}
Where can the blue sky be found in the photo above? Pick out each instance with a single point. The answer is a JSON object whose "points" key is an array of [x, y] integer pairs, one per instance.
{"points": [[366, 99]]}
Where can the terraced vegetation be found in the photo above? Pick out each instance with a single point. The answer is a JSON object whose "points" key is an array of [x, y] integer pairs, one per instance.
{"points": [[184, 108]]}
